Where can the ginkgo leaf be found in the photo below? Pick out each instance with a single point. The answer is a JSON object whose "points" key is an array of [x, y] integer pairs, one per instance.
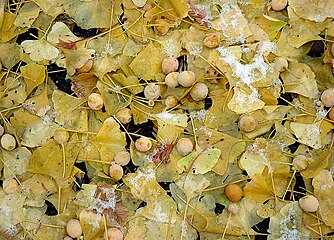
{"points": [[308, 134], [53, 165], [287, 223], [109, 140], [242, 102], [34, 75], [77, 58], [226, 23], [257, 189], [10, 54], [300, 79], [255, 158], [151, 56], [90, 14], [206, 161], [313, 10], [60, 31], [36, 189], [27, 15], [143, 182], [53, 8], [11, 214], [185, 162], [38, 104], [16, 161], [13, 92], [111, 100], [170, 125], [131, 82], [192, 185], [83, 84], [323, 190], [8, 29], [316, 162], [270, 25], [40, 50], [69, 111]]}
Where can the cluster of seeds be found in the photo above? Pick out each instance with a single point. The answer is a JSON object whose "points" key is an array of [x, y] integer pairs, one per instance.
{"points": [[173, 79]]}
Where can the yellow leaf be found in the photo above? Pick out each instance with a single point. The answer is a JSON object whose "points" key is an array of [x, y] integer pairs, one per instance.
{"points": [[308, 134], [232, 23], [39, 50], [10, 54], [16, 161], [317, 161], [109, 140], [243, 102], [323, 184], [257, 189], [89, 14], [60, 31], [270, 25], [303, 31], [170, 125], [147, 64], [77, 58], [313, 10], [131, 83], [69, 112], [34, 75], [12, 93], [300, 79], [53, 165], [27, 15]]}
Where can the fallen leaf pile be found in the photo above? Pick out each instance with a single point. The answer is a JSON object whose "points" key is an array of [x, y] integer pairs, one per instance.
{"points": [[92, 131]]}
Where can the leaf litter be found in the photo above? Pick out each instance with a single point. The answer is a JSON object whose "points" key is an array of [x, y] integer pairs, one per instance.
{"points": [[59, 146]]}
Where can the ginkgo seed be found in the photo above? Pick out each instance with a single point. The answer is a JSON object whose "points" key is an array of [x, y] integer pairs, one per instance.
{"points": [[327, 97], [68, 238], [124, 115], [247, 123], [332, 49], [186, 78], [122, 158], [233, 192], [8, 142], [10, 185], [113, 234], [309, 203], [184, 146], [278, 5], [73, 228], [95, 101], [61, 136], [170, 101], [199, 91], [116, 172], [169, 65], [152, 91], [171, 79], [143, 144]]}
